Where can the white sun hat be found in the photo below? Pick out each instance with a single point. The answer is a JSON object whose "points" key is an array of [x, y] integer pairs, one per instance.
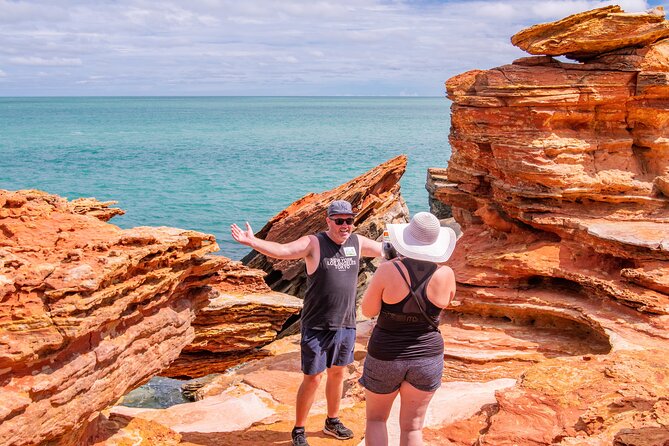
{"points": [[423, 238]]}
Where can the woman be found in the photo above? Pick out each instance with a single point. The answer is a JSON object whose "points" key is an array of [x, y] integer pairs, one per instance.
{"points": [[405, 353]]}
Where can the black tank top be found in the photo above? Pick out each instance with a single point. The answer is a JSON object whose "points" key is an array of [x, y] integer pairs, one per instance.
{"points": [[401, 331], [329, 302]]}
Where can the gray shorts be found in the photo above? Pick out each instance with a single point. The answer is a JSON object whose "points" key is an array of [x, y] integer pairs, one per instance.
{"points": [[386, 376]]}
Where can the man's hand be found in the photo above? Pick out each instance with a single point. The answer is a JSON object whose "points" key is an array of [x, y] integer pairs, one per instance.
{"points": [[243, 237], [298, 249]]}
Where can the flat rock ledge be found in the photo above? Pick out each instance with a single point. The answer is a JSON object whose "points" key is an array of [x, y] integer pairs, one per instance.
{"points": [[483, 399], [242, 315], [587, 34]]}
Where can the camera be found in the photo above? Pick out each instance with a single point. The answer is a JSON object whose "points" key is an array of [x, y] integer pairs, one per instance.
{"points": [[387, 250]]}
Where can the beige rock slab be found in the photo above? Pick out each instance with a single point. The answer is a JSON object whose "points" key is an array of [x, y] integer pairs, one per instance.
{"points": [[651, 235], [453, 401], [230, 411]]}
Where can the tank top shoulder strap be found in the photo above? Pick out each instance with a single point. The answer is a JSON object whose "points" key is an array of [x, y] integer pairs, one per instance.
{"points": [[320, 236], [353, 240], [412, 267]]}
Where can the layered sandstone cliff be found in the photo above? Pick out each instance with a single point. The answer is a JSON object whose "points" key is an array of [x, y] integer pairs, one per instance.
{"points": [[89, 311], [558, 177], [242, 314]]}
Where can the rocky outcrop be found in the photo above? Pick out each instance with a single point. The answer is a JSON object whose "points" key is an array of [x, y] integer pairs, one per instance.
{"points": [[242, 314], [376, 197], [87, 311], [515, 374], [557, 177], [588, 34], [94, 208]]}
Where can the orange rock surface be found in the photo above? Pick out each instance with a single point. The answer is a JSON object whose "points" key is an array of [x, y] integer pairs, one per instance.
{"points": [[558, 178], [254, 404], [242, 314], [586, 34], [87, 311]]}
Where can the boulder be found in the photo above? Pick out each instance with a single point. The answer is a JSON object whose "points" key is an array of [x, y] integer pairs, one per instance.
{"points": [[587, 34], [87, 311]]}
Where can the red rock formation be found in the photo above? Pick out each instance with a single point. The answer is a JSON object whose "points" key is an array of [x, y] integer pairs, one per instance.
{"points": [[87, 311], [376, 197], [558, 177], [91, 206], [584, 35], [242, 314], [258, 400]]}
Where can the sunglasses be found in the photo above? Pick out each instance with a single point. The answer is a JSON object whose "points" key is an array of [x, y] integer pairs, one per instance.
{"points": [[341, 221]]}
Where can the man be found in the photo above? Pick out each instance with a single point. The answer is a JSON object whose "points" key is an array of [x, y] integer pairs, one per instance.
{"points": [[332, 260]]}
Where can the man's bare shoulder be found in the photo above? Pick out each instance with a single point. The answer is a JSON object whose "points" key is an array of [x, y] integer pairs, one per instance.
{"points": [[312, 244]]}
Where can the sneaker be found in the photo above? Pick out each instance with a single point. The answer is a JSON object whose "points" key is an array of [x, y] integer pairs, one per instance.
{"points": [[299, 437], [334, 427]]}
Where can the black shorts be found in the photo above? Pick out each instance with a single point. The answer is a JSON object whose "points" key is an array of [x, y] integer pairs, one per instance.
{"points": [[385, 377], [321, 349]]}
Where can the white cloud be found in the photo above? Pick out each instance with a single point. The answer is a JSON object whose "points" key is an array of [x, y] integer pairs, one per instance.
{"points": [[286, 59], [44, 62], [14, 12], [496, 10], [530, 12], [556, 9], [3, 74], [263, 46]]}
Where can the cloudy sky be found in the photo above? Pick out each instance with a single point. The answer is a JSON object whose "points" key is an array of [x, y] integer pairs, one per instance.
{"points": [[261, 47]]}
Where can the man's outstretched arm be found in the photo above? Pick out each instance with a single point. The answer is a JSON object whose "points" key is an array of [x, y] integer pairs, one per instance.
{"points": [[369, 248], [297, 249]]}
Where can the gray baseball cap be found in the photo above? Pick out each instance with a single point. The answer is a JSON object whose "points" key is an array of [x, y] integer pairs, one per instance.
{"points": [[340, 207]]}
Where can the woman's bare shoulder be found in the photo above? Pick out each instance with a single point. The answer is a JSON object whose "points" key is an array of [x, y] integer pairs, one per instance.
{"points": [[445, 270], [387, 267], [441, 288]]}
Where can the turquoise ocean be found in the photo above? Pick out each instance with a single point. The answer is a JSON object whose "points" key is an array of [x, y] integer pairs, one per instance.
{"points": [[204, 163]]}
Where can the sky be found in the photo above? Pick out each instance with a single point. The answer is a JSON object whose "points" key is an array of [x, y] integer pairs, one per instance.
{"points": [[261, 47]]}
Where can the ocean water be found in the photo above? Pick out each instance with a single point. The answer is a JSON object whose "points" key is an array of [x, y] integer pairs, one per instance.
{"points": [[204, 163]]}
